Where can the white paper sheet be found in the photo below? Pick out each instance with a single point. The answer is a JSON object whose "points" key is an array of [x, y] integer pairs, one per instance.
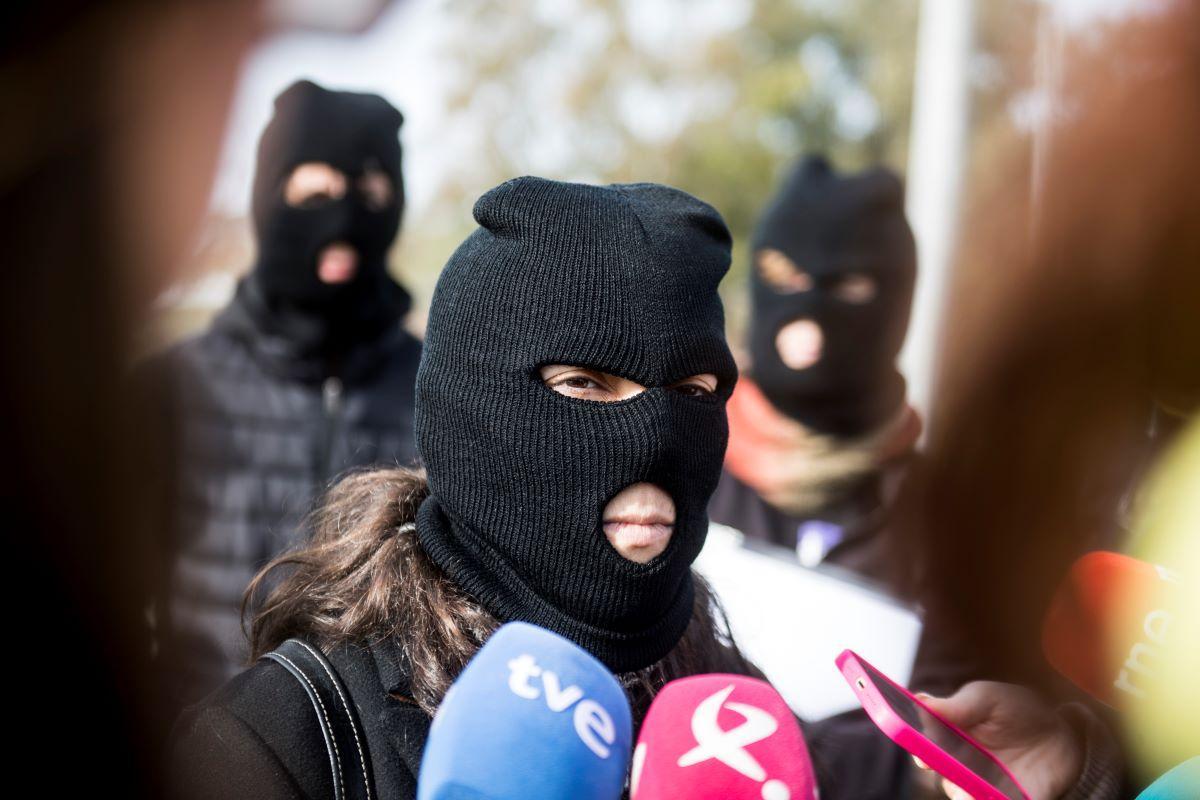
{"points": [[792, 622]]}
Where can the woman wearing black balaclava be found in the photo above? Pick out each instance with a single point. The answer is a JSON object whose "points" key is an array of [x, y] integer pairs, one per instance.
{"points": [[821, 432], [570, 412]]}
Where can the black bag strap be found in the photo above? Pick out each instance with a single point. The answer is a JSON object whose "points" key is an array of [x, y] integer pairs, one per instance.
{"points": [[344, 737]]}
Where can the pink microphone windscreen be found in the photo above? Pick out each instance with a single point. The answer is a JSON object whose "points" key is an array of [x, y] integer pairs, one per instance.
{"points": [[721, 736]]}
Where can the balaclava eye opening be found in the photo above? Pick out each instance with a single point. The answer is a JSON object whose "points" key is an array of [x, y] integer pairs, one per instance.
{"points": [[830, 227], [622, 279], [352, 133]]}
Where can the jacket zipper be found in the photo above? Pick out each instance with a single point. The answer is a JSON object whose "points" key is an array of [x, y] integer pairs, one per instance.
{"points": [[331, 399]]}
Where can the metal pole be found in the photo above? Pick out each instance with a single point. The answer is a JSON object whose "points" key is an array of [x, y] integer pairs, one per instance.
{"points": [[936, 162]]}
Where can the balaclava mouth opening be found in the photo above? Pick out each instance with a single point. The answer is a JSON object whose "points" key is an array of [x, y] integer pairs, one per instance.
{"points": [[821, 229], [351, 132], [621, 279]]}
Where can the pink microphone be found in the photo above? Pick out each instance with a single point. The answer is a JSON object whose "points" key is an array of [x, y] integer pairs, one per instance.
{"points": [[721, 737]]}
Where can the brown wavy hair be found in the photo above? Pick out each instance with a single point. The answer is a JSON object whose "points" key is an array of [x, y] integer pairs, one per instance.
{"points": [[362, 577]]}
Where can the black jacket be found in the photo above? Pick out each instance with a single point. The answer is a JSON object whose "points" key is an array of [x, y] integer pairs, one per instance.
{"points": [[258, 430], [258, 736]]}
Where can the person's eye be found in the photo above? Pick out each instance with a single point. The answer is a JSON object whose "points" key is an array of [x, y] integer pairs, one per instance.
{"points": [[856, 289], [314, 184], [314, 200], [577, 382], [780, 273], [581, 385], [587, 384], [692, 390], [376, 189]]}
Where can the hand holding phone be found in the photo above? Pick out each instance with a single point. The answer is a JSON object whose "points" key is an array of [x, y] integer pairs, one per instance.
{"points": [[1013, 723], [925, 734]]}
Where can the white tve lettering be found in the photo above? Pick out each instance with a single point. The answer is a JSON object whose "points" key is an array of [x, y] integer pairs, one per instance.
{"points": [[558, 698], [593, 724], [595, 727], [521, 669]]}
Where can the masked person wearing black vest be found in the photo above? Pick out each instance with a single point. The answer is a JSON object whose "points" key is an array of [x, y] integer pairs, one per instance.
{"points": [[820, 432], [570, 412], [307, 373]]}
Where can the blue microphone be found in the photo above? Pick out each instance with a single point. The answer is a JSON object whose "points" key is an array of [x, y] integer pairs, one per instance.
{"points": [[532, 715], [1179, 783]]}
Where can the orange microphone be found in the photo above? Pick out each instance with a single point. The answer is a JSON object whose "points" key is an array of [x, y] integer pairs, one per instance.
{"points": [[1107, 626]]}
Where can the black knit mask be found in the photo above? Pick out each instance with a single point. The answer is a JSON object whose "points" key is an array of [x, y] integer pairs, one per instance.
{"points": [[353, 133], [831, 228], [621, 279]]}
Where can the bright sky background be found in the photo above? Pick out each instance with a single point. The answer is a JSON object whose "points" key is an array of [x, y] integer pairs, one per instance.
{"points": [[396, 58], [400, 58]]}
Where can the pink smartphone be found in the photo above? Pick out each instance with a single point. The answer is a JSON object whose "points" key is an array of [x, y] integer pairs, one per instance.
{"points": [[943, 747]]}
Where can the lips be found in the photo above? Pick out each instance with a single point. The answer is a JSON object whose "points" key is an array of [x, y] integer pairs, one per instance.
{"points": [[337, 263], [639, 527], [807, 358], [800, 344], [637, 534], [639, 521]]}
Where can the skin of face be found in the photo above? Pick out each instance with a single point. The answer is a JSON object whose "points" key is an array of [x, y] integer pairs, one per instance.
{"points": [[316, 182], [639, 520], [801, 342]]}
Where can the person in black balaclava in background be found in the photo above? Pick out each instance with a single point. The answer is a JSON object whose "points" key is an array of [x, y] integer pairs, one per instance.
{"points": [[307, 373], [820, 431]]}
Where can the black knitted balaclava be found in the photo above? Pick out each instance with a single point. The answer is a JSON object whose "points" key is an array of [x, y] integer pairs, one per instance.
{"points": [[622, 279], [830, 227], [351, 132]]}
